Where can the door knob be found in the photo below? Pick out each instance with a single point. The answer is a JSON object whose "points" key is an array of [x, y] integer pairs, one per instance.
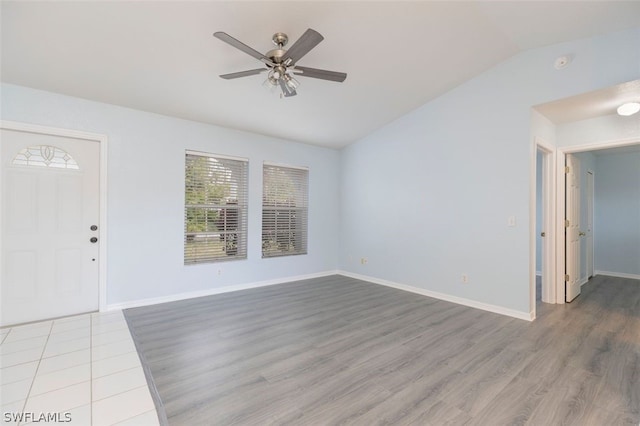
{"points": [[93, 240], [542, 234], [94, 227], [581, 234]]}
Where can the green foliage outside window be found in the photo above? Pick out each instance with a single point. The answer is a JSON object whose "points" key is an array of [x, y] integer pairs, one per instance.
{"points": [[212, 213]]}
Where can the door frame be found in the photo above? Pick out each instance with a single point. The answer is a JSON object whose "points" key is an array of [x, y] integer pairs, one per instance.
{"points": [[86, 136], [548, 201], [561, 154], [590, 261]]}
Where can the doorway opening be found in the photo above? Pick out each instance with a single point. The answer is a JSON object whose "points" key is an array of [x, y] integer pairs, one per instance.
{"points": [[579, 124], [581, 259]]}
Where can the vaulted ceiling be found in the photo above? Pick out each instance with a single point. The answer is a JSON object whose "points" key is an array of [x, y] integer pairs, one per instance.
{"points": [[161, 56]]}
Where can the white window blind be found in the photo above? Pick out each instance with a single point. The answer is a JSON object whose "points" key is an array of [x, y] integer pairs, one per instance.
{"points": [[215, 213], [284, 210]]}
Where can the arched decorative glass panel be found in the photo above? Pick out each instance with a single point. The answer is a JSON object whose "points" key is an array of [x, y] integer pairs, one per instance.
{"points": [[45, 156]]}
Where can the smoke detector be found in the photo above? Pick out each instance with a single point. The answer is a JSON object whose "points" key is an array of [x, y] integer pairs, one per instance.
{"points": [[562, 62]]}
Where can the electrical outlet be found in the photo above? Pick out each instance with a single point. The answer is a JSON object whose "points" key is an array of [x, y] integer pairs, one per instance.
{"points": [[511, 221], [363, 260], [464, 279], [219, 271]]}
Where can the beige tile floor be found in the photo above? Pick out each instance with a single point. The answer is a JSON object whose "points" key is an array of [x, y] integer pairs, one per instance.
{"points": [[84, 367]]}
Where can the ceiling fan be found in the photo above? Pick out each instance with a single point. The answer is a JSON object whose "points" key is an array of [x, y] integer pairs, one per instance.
{"points": [[281, 63]]}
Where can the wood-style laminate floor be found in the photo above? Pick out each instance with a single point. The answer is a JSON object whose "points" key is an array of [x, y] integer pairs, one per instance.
{"points": [[341, 351]]}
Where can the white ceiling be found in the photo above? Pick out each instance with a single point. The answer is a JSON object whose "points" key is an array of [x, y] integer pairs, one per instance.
{"points": [[161, 56]]}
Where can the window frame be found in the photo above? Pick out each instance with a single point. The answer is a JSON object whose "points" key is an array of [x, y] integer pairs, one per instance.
{"points": [[298, 234], [231, 238]]}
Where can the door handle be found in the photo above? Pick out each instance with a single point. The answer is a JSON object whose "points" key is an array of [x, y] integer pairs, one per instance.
{"points": [[543, 234], [93, 240], [581, 234]]}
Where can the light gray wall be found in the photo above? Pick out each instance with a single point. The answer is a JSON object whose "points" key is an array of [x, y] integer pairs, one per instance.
{"points": [[542, 128], [542, 131], [427, 197], [146, 194], [617, 213]]}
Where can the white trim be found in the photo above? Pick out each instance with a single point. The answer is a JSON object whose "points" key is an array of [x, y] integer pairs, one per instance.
{"points": [[583, 281], [219, 290], [548, 250], [618, 274], [527, 316], [212, 291], [211, 155], [560, 216], [591, 248], [103, 141], [287, 166], [538, 273], [104, 149], [613, 143]]}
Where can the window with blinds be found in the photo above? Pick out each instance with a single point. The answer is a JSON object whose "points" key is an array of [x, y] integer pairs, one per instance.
{"points": [[284, 210], [215, 211]]}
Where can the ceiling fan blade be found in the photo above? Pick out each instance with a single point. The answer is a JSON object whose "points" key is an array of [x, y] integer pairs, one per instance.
{"points": [[302, 46], [286, 91], [321, 74], [241, 46], [242, 74]]}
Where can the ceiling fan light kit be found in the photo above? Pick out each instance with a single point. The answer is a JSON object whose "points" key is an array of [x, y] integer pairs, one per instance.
{"points": [[281, 63]]}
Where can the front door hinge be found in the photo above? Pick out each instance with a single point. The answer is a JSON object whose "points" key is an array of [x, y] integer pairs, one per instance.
{"points": [[567, 169], [566, 223], [566, 277]]}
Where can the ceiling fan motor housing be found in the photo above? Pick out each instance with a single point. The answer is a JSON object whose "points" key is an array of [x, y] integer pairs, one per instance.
{"points": [[276, 55]]}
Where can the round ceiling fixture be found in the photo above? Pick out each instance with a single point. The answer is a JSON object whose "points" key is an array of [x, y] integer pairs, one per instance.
{"points": [[562, 62], [629, 108]]}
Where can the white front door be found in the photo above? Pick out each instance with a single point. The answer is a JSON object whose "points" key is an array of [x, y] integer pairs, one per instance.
{"points": [[50, 212], [572, 236]]}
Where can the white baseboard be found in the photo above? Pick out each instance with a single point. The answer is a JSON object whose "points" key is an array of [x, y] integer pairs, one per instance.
{"points": [[539, 273], [212, 291], [584, 281], [617, 274], [527, 316]]}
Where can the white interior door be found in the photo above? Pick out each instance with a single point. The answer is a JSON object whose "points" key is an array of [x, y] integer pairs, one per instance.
{"points": [[50, 213], [589, 230], [572, 228]]}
